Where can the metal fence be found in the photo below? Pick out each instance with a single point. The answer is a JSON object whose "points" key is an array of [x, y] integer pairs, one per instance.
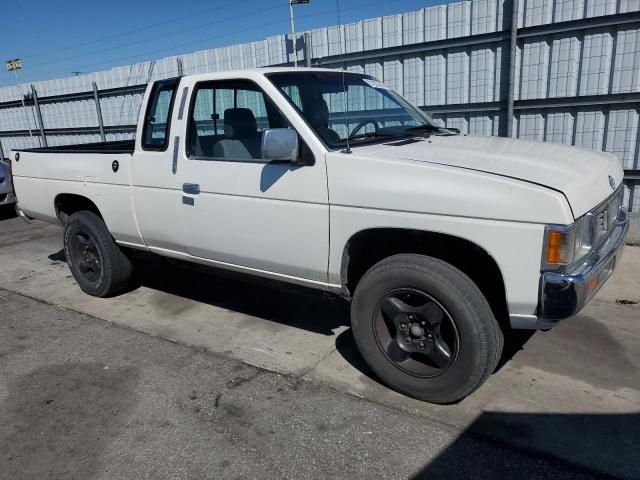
{"points": [[568, 72]]}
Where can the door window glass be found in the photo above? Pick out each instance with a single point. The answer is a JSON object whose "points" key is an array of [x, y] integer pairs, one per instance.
{"points": [[227, 121]]}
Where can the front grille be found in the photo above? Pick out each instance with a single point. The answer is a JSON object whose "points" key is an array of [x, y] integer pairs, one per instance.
{"points": [[604, 218]]}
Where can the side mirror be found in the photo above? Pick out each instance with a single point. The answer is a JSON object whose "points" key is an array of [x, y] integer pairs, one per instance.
{"points": [[280, 144]]}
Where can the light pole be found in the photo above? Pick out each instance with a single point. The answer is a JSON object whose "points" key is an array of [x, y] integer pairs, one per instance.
{"points": [[293, 29], [14, 65]]}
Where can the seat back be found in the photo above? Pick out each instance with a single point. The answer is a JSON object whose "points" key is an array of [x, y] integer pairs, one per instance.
{"points": [[242, 140], [319, 120]]}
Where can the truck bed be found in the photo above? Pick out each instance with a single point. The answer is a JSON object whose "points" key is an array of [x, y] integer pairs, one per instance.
{"points": [[99, 172], [118, 146]]}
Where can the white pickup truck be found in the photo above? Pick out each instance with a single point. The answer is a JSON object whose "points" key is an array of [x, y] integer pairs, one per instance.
{"points": [[329, 179]]}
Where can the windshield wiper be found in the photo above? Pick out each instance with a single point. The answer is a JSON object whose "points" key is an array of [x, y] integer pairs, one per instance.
{"points": [[361, 136], [428, 128]]}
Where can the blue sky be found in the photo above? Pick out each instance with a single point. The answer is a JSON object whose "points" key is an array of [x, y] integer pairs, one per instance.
{"points": [[55, 38]]}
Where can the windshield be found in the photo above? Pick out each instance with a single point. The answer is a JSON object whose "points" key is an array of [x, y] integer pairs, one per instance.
{"points": [[374, 111]]}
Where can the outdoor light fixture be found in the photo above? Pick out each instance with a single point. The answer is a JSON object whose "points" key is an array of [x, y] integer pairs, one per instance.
{"points": [[14, 65]]}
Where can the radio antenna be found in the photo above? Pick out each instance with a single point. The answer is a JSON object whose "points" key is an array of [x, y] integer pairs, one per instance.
{"points": [[344, 88]]}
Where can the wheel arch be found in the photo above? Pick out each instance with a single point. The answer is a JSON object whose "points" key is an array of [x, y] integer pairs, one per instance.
{"points": [[66, 204], [367, 247]]}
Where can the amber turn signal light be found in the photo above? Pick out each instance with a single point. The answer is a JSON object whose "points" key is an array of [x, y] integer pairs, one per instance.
{"points": [[554, 247]]}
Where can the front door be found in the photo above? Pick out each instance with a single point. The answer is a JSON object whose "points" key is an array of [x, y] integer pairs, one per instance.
{"points": [[238, 209]]}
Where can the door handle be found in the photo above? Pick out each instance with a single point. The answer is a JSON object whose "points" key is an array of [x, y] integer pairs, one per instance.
{"points": [[191, 188]]}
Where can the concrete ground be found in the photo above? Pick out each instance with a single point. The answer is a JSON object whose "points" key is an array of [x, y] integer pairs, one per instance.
{"points": [[571, 394], [83, 398], [633, 237]]}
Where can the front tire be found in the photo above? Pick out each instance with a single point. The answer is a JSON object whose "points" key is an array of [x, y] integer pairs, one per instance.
{"points": [[425, 328], [98, 265]]}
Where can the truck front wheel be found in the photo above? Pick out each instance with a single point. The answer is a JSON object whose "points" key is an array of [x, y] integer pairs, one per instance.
{"points": [[425, 328], [95, 260]]}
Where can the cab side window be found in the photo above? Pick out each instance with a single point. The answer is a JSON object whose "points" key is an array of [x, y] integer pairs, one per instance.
{"points": [[157, 120], [227, 120]]}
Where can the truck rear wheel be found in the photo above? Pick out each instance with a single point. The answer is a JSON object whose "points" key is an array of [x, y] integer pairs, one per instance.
{"points": [[95, 260], [425, 328]]}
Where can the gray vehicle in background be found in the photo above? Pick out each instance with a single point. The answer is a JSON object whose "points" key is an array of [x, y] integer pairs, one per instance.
{"points": [[7, 196]]}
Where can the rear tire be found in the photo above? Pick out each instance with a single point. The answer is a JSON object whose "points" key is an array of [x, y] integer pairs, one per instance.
{"points": [[425, 328], [98, 265]]}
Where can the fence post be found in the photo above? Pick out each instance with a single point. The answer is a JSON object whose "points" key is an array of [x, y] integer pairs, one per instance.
{"points": [[512, 66], [307, 49], [39, 116], [96, 98], [180, 68]]}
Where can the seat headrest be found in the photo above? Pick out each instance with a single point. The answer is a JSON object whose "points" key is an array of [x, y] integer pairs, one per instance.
{"points": [[239, 123], [319, 115]]}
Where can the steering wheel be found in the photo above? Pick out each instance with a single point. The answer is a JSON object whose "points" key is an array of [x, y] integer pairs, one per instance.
{"points": [[364, 122]]}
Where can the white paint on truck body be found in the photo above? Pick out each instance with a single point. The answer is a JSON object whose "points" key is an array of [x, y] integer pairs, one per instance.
{"points": [[293, 223]]}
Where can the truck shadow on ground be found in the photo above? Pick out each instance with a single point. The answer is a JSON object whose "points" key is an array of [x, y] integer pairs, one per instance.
{"points": [[276, 301], [271, 300], [7, 212], [346, 345], [606, 445], [280, 302]]}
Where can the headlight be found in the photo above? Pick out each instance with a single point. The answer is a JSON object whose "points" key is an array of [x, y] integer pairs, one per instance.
{"points": [[585, 232], [568, 244], [564, 245]]}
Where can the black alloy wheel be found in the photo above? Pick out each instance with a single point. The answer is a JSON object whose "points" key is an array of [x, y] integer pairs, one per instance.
{"points": [[416, 332], [86, 256]]}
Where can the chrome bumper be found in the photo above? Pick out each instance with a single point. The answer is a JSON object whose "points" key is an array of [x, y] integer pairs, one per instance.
{"points": [[563, 295]]}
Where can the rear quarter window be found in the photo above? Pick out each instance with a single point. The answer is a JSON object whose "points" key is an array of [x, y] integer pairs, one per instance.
{"points": [[157, 119]]}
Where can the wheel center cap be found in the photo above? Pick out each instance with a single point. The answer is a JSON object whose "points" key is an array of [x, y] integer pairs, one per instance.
{"points": [[416, 331]]}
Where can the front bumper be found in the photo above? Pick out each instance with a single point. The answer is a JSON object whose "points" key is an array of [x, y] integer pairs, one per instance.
{"points": [[563, 295]]}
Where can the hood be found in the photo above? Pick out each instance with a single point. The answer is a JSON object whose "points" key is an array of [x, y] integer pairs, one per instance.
{"points": [[581, 175]]}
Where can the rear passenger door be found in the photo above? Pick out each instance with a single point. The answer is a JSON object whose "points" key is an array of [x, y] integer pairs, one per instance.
{"points": [[238, 209], [156, 189]]}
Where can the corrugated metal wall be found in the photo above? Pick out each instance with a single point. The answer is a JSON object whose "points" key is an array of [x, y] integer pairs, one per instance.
{"points": [[567, 64]]}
